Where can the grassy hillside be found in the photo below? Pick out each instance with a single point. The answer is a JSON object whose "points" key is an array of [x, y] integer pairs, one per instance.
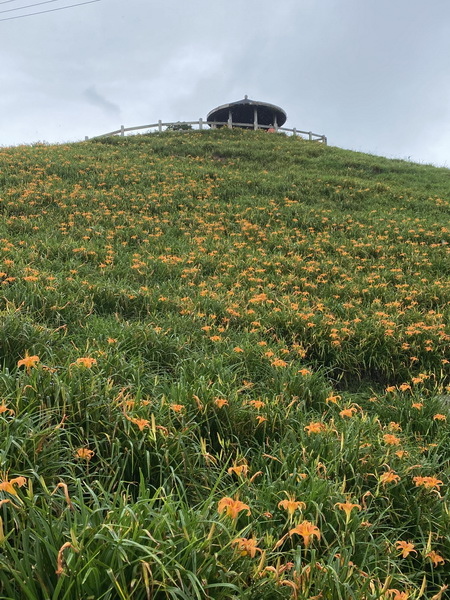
{"points": [[224, 371]]}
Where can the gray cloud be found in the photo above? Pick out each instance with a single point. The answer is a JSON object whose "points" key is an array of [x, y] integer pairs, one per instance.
{"points": [[371, 75], [95, 98]]}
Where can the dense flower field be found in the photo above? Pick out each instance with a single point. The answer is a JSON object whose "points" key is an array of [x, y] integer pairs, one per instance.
{"points": [[225, 371]]}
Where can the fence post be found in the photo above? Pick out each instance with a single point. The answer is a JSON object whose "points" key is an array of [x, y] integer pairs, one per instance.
{"points": [[159, 125], [200, 123]]}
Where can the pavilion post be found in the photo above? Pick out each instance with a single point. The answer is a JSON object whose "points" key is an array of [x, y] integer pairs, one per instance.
{"points": [[159, 125], [255, 118], [122, 130], [230, 120], [275, 123], [200, 123]]}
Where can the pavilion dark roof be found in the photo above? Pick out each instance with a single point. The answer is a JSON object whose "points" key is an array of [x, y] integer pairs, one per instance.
{"points": [[243, 111]]}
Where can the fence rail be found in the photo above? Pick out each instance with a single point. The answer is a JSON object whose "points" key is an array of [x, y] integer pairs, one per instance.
{"points": [[201, 124]]}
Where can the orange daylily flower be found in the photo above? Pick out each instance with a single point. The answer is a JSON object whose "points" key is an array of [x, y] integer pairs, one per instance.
{"points": [[333, 399], [256, 404], [395, 594], [401, 453], [347, 507], [316, 427], [219, 402], [389, 477], [85, 361], [28, 361], [4, 409], [393, 426], [278, 362], [435, 558], [141, 423], [239, 470], [348, 412], [439, 417], [291, 505], [84, 453], [231, 507], [304, 372], [246, 547], [8, 485], [307, 530], [405, 548], [391, 440]]}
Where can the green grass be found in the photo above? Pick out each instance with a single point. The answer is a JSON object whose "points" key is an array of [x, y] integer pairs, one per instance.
{"points": [[222, 314]]}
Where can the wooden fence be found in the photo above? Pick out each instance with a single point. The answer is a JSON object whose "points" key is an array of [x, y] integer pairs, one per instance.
{"points": [[201, 124]]}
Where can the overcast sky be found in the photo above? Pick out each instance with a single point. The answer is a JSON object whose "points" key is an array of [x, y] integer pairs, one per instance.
{"points": [[372, 75]]}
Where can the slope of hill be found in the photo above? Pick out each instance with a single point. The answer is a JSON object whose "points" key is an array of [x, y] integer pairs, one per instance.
{"points": [[225, 371]]}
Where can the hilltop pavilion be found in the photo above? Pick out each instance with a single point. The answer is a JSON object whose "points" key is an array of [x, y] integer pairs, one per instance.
{"points": [[248, 114]]}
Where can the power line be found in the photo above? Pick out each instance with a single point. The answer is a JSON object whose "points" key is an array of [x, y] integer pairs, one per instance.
{"points": [[49, 10], [28, 6]]}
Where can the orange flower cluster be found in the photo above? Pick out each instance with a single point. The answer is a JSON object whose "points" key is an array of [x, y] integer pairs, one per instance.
{"points": [[429, 483]]}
